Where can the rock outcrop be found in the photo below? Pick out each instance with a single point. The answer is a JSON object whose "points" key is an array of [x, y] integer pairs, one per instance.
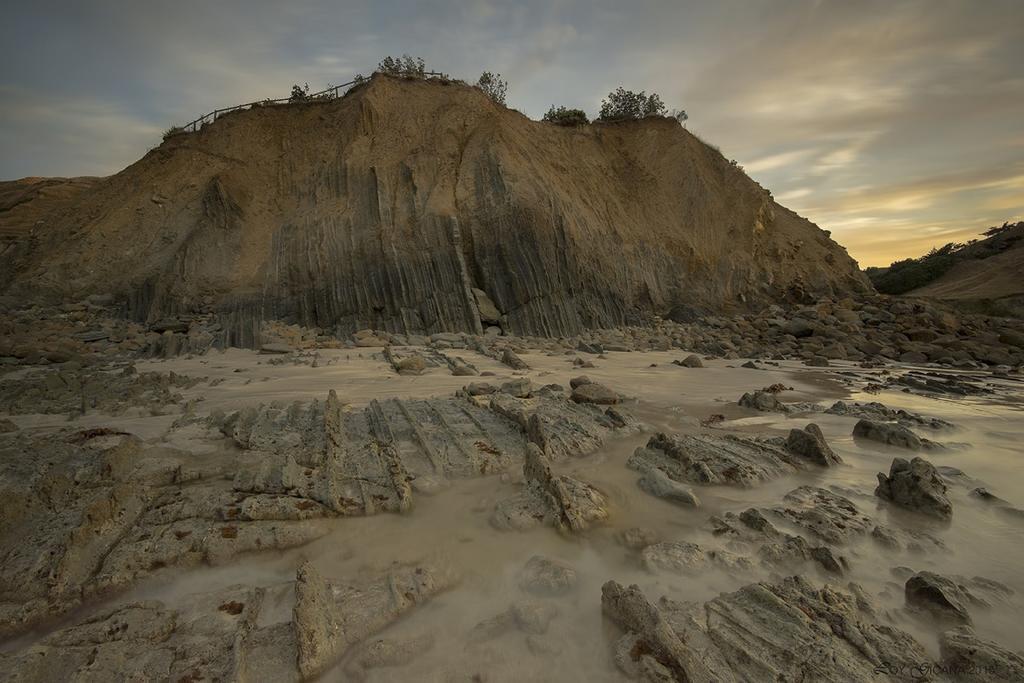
{"points": [[729, 459], [915, 485], [421, 206], [786, 630]]}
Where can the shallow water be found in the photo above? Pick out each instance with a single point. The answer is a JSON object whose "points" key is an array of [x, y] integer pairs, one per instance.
{"points": [[453, 527]]}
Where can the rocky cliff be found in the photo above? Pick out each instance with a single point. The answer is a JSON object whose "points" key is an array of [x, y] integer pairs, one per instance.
{"points": [[422, 206]]}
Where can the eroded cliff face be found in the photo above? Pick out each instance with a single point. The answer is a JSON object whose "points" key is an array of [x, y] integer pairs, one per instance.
{"points": [[389, 207]]}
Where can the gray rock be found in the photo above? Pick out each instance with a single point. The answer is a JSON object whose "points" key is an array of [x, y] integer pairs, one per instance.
{"points": [[480, 389], [520, 388], [763, 401], [887, 433], [809, 443], [943, 598], [579, 381], [568, 504], [509, 358], [594, 393], [715, 459], [915, 485], [753, 633], [976, 660], [657, 483]]}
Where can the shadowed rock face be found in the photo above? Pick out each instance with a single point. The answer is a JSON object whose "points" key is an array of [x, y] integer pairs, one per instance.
{"points": [[418, 207]]}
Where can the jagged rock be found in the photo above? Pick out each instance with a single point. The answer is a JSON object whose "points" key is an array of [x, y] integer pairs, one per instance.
{"points": [[827, 515], [140, 509], [809, 443], [753, 633], [713, 459], [887, 433], [592, 392], [411, 365], [461, 368], [915, 485], [489, 313], [318, 633], [943, 598], [509, 358], [480, 389], [520, 388], [77, 390], [328, 618], [544, 576], [657, 483], [879, 412], [568, 504], [763, 401], [200, 638], [976, 660], [776, 549]]}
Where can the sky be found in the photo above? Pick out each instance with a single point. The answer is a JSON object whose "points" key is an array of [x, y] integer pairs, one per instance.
{"points": [[897, 125]]}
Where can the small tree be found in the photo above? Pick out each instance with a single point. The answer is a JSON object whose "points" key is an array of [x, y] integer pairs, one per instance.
{"points": [[299, 93], [405, 66], [624, 105], [680, 115], [493, 86], [563, 116]]}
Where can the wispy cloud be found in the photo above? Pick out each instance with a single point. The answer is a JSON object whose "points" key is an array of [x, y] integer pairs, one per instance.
{"points": [[895, 125]]}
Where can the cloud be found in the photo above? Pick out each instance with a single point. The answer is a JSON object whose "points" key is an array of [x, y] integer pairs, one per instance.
{"points": [[878, 120]]}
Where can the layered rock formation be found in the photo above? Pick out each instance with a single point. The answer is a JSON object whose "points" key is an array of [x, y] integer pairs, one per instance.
{"points": [[422, 206]]}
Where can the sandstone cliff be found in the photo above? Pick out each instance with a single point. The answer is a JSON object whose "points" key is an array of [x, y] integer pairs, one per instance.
{"points": [[422, 206]]}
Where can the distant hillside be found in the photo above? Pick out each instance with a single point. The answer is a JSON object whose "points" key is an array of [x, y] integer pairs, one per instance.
{"points": [[983, 275]]}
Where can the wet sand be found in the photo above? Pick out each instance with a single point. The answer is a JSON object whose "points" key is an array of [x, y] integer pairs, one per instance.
{"points": [[453, 528]]}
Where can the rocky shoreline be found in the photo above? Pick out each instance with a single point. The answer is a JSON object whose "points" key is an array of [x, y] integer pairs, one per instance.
{"points": [[588, 475]]}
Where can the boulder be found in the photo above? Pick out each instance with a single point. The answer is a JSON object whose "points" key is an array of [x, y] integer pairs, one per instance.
{"points": [[691, 361], [915, 485], [520, 388], [809, 443], [593, 392], [943, 598], [509, 358], [888, 433]]}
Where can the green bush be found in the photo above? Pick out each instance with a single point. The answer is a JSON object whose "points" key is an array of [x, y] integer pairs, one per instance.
{"points": [[563, 116], [493, 86], [172, 131], [626, 105], [405, 66], [299, 93]]}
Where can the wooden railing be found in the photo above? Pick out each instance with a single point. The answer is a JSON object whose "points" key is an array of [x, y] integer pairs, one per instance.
{"points": [[330, 93]]}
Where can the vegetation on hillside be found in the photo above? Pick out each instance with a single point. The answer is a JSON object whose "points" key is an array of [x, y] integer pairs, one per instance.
{"points": [[563, 116], [909, 274], [493, 86]]}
